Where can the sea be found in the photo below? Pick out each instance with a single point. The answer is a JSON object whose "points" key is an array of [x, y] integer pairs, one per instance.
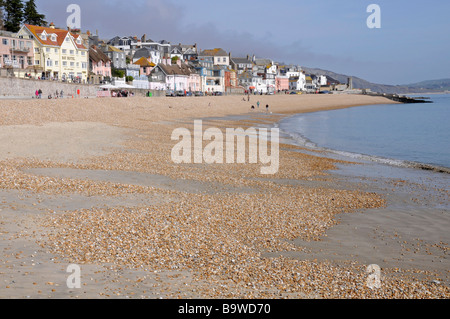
{"points": [[404, 135]]}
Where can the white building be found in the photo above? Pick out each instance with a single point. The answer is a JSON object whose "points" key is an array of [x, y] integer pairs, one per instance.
{"points": [[298, 83]]}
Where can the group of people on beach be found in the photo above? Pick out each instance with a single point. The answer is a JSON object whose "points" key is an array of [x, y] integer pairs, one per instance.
{"points": [[38, 94], [121, 93], [257, 103], [58, 94], [267, 107]]}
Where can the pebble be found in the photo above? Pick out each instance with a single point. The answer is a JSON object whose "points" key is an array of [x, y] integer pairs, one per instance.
{"points": [[220, 237]]}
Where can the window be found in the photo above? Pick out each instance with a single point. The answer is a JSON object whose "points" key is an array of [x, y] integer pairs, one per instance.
{"points": [[5, 42], [44, 37], [48, 50], [56, 63], [72, 63], [56, 50], [64, 63], [49, 62], [53, 37], [36, 50], [29, 61], [37, 62], [64, 51], [83, 53], [84, 65], [72, 52]]}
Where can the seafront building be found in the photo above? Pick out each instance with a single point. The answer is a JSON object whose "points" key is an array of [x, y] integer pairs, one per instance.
{"points": [[16, 52], [61, 54], [99, 66], [175, 77], [118, 57], [49, 53]]}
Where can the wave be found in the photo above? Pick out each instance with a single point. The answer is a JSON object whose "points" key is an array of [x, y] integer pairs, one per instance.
{"points": [[302, 141]]}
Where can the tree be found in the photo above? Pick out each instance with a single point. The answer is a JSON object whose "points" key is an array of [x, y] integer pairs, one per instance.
{"points": [[13, 15], [32, 16], [117, 73], [1, 15]]}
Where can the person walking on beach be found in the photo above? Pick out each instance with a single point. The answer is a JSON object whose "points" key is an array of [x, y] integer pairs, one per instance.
{"points": [[37, 94], [267, 107], [257, 104], [40, 93], [62, 94]]}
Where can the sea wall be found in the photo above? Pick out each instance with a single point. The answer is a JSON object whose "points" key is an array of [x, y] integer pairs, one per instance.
{"points": [[15, 87], [26, 88]]}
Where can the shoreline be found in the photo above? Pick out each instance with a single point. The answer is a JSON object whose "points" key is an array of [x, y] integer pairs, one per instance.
{"points": [[336, 153], [189, 231], [413, 175]]}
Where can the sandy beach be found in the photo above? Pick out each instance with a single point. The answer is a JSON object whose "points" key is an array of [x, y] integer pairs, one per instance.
{"points": [[91, 182]]}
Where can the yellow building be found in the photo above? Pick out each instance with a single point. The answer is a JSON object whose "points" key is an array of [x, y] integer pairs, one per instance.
{"points": [[60, 54]]}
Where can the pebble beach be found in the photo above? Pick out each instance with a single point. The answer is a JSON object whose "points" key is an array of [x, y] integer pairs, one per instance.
{"points": [[91, 182]]}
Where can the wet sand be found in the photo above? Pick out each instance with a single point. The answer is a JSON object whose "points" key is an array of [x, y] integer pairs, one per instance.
{"points": [[140, 226]]}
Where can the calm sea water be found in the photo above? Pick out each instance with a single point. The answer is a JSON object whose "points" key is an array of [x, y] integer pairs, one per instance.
{"points": [[395, 134]]}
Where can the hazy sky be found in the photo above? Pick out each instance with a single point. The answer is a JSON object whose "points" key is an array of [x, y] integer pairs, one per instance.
{"points": [[412, 45]]}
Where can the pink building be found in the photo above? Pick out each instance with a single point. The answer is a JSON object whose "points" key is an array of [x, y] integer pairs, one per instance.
{"points": [[100, 64], [146, 66], [15, 52], [281, 83], [194, 82]]}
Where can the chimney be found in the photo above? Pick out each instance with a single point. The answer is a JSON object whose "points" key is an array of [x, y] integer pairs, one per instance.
{"points": [[52, 25]]}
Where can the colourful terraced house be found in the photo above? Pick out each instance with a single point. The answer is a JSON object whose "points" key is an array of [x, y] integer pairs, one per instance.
{"points": [[61, 54]]}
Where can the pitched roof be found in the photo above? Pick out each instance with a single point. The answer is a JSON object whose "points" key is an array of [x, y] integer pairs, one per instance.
{"points": [[113, 49], [214, 52], [96, 55], [143, 62], [263, 62], [60, 36], [175, 69], [241, 61], [143, 53]]}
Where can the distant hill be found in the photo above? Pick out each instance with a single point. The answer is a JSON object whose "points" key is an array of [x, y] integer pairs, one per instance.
{"points": [[433, 86]]}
